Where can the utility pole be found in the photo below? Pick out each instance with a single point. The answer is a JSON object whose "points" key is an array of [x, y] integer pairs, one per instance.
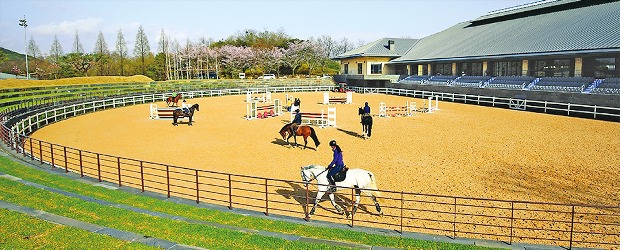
{"points": [[22, 22]]}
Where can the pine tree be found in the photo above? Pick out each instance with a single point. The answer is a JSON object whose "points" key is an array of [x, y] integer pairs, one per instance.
{"points": [[142, 48]]}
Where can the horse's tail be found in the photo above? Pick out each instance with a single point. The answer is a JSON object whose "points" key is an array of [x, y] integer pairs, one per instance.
{"points": [[314, 138], [373, 190]]}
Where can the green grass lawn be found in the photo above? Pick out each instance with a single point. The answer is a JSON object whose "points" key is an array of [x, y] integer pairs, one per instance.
{"points": [[20, 231], [175, 230]]}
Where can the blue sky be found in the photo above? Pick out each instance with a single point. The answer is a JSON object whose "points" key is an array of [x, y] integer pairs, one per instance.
{"points": [[360, 21]]}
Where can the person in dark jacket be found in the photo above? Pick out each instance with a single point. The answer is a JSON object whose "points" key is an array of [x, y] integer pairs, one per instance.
{"points": [[335, 166], [366, 109], [296, 122]]}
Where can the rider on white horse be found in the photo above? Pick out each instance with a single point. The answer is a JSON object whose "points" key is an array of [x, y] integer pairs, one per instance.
{"points": [[335, 166]]}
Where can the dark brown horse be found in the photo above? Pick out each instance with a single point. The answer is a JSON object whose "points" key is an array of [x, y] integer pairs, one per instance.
{"points": [[173, 101], [366, 123], [178, 113], [304, 131]]}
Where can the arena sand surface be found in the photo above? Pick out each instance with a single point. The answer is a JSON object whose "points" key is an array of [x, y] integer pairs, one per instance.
{"points": [[460, 150]]}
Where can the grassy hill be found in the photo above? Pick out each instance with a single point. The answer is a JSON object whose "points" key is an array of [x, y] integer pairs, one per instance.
{"points": [[20, 83], [12, 55]]}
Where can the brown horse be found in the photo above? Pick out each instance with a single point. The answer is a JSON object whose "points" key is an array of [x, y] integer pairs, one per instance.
{"points": [[304, 131], [173, 101], [178, 113]]}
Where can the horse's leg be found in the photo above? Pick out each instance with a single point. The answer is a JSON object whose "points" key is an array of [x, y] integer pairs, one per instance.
{"points": [[357, 201], [305, 141], [190, 121], [319, 195], [377, 206], [333, 200]]}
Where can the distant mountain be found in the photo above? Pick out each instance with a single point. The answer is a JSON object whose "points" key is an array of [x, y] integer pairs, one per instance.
{"points": [[12, 55]]}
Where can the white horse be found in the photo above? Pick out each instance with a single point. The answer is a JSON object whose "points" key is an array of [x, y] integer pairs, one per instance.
{"points": [[361, 180]]}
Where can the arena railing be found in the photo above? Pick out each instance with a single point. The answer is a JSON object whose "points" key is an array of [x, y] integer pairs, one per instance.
{"points": [[558, 108], [509, 221]]}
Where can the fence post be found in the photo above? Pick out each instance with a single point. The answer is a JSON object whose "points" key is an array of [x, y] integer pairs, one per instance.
{"points": [[64, 149], [31, 150], [306, 206], [81, 165], [40, 153], [52, 155], [402, 200], [266, 198], [512, 218], [572, 223], [168, 179], [142, 175], [99, 167], [118, 164], [197, 188], [454, 221], [229, 192], [353, 207]]}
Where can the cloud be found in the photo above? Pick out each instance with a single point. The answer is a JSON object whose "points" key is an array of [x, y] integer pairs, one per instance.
{"points": [[89, 25]]}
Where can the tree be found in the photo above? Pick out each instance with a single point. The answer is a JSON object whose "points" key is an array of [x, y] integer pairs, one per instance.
{"points": [[35, 52], [163, 51], [101, 53], [295, 54], [56, 51], [121, 50], [236, 59], [142, 48], [77, 45], [80, 62]]}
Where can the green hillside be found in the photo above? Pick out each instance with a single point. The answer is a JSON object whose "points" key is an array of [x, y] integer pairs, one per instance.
{"points": [[12, 55]]}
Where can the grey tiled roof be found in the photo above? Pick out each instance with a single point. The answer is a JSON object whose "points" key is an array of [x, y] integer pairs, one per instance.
{"points": [[587, 29], [380, 48]]}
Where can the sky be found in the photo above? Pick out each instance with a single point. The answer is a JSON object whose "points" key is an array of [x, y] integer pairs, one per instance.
{"points": [[359, 21]]}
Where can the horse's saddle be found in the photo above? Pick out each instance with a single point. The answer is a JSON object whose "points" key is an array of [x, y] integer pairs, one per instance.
{"points": [[340, 176]]}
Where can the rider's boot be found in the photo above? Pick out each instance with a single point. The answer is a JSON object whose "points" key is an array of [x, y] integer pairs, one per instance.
{"points": [[332, 184]]}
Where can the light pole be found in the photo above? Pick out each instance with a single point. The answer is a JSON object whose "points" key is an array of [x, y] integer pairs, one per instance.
{"points": [[22, 22]]}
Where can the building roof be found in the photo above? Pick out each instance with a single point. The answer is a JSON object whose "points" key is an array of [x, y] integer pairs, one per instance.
{"points": [[550, 27], [380, 48]]}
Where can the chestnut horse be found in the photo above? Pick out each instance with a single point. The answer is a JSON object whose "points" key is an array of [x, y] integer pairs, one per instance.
{"points": [[173, 101], [302, 130]]}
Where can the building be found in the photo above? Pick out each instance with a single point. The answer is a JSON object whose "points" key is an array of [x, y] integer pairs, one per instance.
{"points": [[553, 38]]}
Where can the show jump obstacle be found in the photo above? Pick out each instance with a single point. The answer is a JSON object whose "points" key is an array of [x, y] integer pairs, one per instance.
{"points": [[321, 119], [430, 107], [161, 113], [342, 100], [407, 110], [253, 111], [265, 97]]}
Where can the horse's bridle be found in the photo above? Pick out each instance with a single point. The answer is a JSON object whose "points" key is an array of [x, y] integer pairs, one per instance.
{"points": [[311, 179]]}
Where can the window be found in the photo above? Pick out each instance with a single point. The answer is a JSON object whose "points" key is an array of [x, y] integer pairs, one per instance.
{"points": [[470, 68], [346, 69], [376, 68], [552, 67], [442, 69], [602, 67], [359, 68], [510, 68]]}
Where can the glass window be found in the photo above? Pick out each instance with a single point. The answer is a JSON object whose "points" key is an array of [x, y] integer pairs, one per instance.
{"points": [[508, 68], [359, 69], [442, 69], [470, 68], [376, 68], [346, 69], [604, 67]]}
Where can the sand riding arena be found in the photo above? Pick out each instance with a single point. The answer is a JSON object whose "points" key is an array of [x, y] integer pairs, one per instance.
{"points": [[461, 171]]}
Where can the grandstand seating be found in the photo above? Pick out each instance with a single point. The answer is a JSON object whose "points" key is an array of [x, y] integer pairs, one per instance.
{"points": [[471, 81], [608, 86], [510, 82], [441, 80], [563, 84], [414, 79]]}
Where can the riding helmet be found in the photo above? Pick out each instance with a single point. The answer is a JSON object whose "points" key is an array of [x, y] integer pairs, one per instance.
{"points": [[332, 143]]}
